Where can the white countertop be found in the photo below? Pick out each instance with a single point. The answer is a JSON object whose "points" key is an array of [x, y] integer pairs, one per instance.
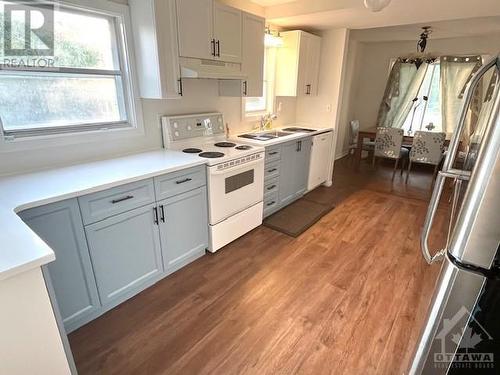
{"points": [[21, 249], [287, 138]]}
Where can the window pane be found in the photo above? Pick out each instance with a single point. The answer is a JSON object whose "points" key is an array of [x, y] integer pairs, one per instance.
{"points": [[257, 104], [81, 40], [30, 101], [433, 113]]}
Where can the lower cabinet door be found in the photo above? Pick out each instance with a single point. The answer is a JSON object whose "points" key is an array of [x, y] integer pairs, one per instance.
{"points": [[302, 166], [183, 228], [60, 226], [126, 255], [288, 173]]}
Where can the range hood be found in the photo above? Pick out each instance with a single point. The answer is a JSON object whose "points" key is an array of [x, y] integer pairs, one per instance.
{"points": [[210, 69]]}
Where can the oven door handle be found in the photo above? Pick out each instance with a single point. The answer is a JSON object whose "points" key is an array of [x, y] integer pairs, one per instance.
{"points": [[215, 172]]}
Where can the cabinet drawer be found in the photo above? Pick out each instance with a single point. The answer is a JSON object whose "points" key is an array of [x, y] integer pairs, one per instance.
{"points": [[273, 153], [270, 204], [272, 170], [179, 182], [101, 205], [271, 186]]}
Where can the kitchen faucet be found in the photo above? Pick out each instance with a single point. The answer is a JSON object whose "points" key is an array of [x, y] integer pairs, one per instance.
{"points": [[266, 120]]}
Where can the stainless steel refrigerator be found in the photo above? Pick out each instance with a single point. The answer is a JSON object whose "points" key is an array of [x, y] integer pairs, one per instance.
{"points": [[462, 331]]}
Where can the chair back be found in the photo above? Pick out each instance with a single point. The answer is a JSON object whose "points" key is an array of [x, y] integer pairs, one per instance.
{"points": [[388, 142], [354, 132], [427, 147]]}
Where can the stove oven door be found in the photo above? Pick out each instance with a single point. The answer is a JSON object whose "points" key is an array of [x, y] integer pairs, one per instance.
{"points": [[234, 188]]}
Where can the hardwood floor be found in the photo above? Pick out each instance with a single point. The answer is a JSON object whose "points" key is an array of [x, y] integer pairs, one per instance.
{"points": [[348, 296]]}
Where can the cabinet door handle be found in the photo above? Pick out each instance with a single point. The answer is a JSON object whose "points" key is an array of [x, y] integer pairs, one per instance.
{"points": [[212, 42], [270, 203], [155, 215], [308, 89], [273, 153], [245, 88], [118, 200], [271, 187], [181, 89], [162, 213], [272, 170], [218, 48], [300, 145], [183, 181]]}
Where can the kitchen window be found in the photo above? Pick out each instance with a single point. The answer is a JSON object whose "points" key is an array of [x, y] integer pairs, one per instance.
{"points": [[83, 85]]}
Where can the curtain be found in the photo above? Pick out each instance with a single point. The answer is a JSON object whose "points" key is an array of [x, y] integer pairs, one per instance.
{"points": [[402, 87], [456, 72]]}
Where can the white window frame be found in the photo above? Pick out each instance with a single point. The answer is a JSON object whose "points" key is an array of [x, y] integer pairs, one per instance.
{"points": [[93, 132]]}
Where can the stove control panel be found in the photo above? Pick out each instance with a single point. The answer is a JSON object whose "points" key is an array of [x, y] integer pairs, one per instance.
{"points": [[240, 161], [177, 128]]}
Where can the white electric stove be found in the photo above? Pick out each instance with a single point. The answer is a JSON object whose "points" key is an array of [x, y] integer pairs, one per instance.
{"points": [[235, 173]]}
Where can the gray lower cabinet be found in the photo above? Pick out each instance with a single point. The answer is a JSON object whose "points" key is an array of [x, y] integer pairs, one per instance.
{"points": [[126, 254], [60, 226], [183, 228], [294, 168]]}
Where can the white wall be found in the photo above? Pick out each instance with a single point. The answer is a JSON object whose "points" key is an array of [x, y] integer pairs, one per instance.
{"points": [[369, 63]]}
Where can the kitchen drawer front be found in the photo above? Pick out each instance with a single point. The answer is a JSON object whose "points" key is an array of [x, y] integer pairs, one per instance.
{"points": [[273, 153], [179, 182], [270, 204], [272, 170], [271, 186], [99, 206]]}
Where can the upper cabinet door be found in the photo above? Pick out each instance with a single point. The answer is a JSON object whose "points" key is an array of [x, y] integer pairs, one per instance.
{"points": [[195, 31], [227, 33], [253, 54], [312, 63]]}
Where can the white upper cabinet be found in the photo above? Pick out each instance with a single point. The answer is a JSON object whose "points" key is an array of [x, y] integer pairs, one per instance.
{"points": [[155, 27], [195, 28], [252, 60], [227, 33], [297, 71], [209, 30]]}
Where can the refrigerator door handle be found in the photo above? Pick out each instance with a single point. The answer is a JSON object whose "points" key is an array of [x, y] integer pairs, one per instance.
{"points": [[457, 175]]}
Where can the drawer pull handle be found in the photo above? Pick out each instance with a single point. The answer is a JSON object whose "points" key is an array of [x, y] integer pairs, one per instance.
{"points": [[270, 203], [273, 153], [272, 170], [183, 181], [115, 201], [271, 187]]}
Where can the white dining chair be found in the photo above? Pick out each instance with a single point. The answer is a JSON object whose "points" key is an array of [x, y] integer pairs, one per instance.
{"points": [[388, 145], [353, 141], [427, 148]]}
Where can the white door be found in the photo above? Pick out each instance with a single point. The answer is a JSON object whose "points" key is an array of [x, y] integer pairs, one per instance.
{"points": [[320, 159], [253, 54], [227, 32], [313, 64], [194, 19]]}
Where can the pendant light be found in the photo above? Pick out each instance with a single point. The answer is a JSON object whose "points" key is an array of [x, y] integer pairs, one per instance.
{"points": [[376, 5]]}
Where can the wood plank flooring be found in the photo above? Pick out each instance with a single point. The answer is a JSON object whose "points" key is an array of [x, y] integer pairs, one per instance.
{"points": [[348, 296]]}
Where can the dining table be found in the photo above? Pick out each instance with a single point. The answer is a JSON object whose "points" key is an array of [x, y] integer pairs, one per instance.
{"points": [[370, 133]]}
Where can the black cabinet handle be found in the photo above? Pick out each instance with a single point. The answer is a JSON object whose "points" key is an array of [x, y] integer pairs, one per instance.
{"points": [[213, 47], [272, 170], [273, 153], [270, 203], [115, 201], [245, 88], [155, 215], [181, 89], [162, 213], [218, 48], [183, 181], [271, 187], [308, 89]]}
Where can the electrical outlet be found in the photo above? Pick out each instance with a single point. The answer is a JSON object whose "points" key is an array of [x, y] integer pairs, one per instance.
{"points": [[280, 106]]}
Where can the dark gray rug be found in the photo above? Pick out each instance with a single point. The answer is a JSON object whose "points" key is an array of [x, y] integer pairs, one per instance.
{"points": [[299, 216]]}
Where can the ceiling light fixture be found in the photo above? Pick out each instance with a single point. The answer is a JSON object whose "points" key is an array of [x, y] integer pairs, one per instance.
{"points": [[376, 5]]}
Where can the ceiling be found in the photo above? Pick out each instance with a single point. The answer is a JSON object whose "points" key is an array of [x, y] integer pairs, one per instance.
{"points": [[327, 14]]}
